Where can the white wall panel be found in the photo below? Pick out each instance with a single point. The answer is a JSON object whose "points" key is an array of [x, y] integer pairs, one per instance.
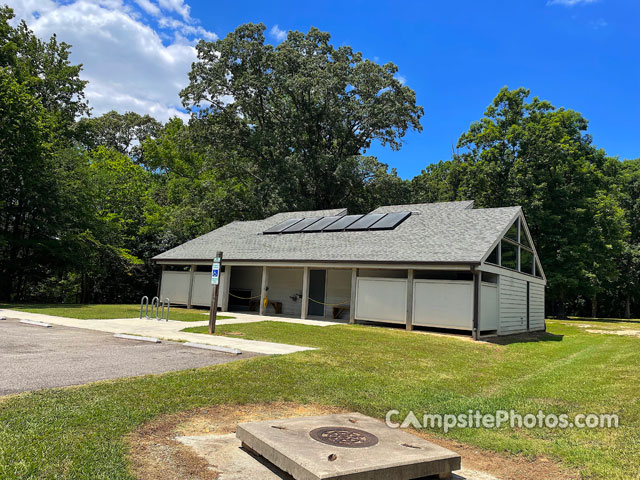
{"points": [[381, 299], [175, 286], [489, 307], [443, 303]]}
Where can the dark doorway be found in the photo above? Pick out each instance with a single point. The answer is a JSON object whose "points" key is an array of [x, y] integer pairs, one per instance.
{"points": [[317, 280]]}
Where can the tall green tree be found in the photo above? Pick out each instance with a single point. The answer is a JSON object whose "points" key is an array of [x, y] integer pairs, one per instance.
{"points": [[529, 153], [123, 133], [44, 69], [292, 120]]}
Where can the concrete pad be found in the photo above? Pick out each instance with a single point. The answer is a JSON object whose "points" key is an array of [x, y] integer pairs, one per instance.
{"points": [[367, 449], [171, 330], [136, 337], [233, 351], [225, 455], [35, 323]]}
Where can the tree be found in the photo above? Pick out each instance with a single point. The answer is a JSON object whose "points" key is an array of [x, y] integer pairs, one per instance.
{"points": [[44, 70], [292, 120], [532, 154], [27, 177], [123, 133]]}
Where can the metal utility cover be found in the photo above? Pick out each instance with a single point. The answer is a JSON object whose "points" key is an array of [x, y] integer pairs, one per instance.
{"points": [[292, 445]]}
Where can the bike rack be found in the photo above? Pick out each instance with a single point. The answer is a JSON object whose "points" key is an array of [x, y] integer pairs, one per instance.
{"points": [[155, 303], [168, 307], [144, 301]]}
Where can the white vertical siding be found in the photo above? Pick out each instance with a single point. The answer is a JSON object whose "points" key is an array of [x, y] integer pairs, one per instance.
{"points": [[536, 306], [513, 305], [202, 289]]}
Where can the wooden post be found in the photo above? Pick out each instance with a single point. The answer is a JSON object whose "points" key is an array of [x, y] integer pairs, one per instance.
{"points": [[192, 274], [410, 299], [352, 305], [213, 310], [305, 294], [263, 290]]}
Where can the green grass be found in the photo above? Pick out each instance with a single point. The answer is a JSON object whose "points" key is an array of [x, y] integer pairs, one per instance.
{"points": [[78, 432], [96, 312]]}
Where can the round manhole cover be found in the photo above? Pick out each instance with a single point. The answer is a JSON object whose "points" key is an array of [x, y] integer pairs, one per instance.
{"points": [[344, 437]]}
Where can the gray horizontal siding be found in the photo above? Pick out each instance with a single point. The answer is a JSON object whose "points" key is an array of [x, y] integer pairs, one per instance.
{"points": [[536, 306], [513, 305]]}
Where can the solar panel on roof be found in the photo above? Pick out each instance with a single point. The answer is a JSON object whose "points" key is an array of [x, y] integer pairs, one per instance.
{"points": [[298, 227], [343, 223], [391, 221], [365, 222], [322, 223], [281, 226]]}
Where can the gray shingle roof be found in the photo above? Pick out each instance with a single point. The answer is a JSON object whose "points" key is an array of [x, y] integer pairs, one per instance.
{"points": [[444, 232]]}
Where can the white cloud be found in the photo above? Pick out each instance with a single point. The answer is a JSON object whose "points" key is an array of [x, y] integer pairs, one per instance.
{"points": [[278, 34], [127, 64], [570, 3], [401, 78], [149, 7], [177, 6]]}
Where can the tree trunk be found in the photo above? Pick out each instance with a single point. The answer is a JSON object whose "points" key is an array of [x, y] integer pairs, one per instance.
{"points": [[627, 307], [594, 306], [560, 307]]}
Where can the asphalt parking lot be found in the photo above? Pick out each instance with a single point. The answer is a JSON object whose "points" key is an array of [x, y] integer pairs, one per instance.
{"points": [[33, 357]]}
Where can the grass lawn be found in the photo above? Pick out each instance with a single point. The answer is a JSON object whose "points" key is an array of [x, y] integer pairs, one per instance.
{"points": [[78, 432], [106, 311]]}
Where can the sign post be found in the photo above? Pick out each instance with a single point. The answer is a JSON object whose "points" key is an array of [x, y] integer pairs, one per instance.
{"points": [[215, 281]]}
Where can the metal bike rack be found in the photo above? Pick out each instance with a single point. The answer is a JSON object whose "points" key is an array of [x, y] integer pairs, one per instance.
{"points": [[143, 302], [168, 307], [155, 303]]}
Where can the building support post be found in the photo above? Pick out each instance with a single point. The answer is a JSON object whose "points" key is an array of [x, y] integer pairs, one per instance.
{"points": [[352, 304], [410, 299], [263, 290], [304, 311], [224, 305], [192, 274], [477, 283], [159, 295]]}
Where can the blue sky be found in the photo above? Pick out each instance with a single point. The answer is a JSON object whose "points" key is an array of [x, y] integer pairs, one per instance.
{"points": [[456, 55]]}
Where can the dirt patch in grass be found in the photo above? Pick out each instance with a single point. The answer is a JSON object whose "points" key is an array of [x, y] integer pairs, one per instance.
{"points": [[154, 452], [624, 333]]}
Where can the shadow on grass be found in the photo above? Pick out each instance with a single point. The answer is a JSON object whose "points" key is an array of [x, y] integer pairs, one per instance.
{"points": [[596, 320], [533, 337], [10, 306]]}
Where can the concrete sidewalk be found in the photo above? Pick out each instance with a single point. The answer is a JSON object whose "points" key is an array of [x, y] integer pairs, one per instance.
{"points": [[170, 330]]}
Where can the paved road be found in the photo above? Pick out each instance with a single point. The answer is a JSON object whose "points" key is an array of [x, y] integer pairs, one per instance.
{"points": [[34, 357]]}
